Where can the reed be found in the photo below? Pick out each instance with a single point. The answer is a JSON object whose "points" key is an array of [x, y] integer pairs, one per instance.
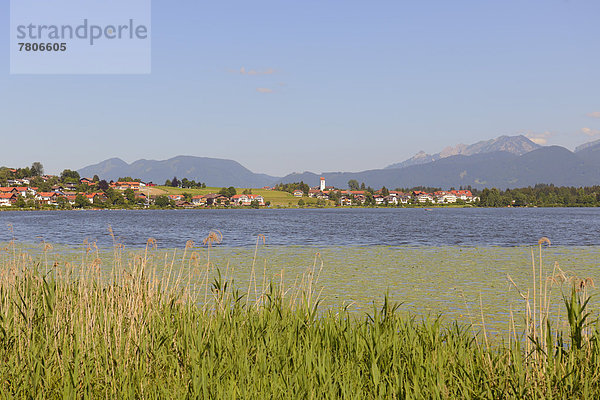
{"points": [[146, 328]]}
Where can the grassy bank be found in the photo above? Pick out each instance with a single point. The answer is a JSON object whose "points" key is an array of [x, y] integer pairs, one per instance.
{"points": [[275, 197], [76, 330]]}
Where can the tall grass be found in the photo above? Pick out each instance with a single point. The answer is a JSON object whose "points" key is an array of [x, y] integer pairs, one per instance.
{"points": [[138, 331]]}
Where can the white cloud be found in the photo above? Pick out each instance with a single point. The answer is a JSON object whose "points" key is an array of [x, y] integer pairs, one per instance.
{"points": [[269, 71], [590, 132], [264, 90], [539, 138], [595, 114], [252, 72]]}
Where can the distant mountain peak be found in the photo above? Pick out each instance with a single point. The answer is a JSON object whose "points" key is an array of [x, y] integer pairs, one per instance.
{"points": [[517, 145], [587, 145], [212, 171], [501, 169]]}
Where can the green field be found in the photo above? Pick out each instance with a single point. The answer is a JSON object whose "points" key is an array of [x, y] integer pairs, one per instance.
{"points": [[276, 197]]}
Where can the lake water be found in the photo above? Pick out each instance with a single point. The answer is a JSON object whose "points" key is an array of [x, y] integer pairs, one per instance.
{"points": [[449, 261], [312, 227]]}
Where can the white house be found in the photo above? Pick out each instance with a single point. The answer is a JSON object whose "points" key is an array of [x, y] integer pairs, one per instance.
{"points": [[391, 199], [199, 200], [404, 199], [47, 197], [7, 199], [345, 201], [424, 198], [247, 199], [445, 197]]}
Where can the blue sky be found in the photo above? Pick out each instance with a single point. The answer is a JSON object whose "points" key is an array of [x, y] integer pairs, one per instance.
{"points": [[285, 86]]}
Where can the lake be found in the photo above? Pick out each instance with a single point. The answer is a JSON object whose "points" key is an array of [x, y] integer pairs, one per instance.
{"points": [[452, 261], [312, 227]]}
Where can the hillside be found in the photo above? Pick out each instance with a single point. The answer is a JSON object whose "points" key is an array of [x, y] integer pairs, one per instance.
{"points": [[513, 166], [589, 152], [212, 171], [552, 164]]}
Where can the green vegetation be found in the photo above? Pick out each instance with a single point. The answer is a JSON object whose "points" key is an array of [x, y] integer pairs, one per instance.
{"points": [[184, 183], [542, 196], [130, 330], [68, 176], [275, 198], [36, 170], [228, 192], [291, 187]]}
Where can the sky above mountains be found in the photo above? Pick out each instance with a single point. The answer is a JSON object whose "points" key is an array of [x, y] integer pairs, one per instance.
{"points": [[319, 85]]}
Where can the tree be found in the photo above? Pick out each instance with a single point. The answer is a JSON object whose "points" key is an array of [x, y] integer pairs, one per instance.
{"points": [[300, 202], [254, 204], [291, 187], [20, 202], [162, 201], [128, 179], [335, 196], [353, 184], [81, 201], [23, 173], [96, 178], [69, 176], [130, 195], [62, 202], [103, 185], [175, 182], [520, 199], [491, 198], [385, 191], [114, 197], [37, 169], [228, 192]]}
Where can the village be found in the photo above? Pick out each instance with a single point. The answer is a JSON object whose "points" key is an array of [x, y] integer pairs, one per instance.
{"points": [[86, 193], [65, 194], [387, 197]]}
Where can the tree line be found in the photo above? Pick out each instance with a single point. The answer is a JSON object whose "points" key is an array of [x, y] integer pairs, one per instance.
{"points": [[184, 183], [541, 195]]}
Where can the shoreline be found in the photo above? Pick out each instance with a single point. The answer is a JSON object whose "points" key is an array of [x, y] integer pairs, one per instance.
{"points": [[424, 208]]}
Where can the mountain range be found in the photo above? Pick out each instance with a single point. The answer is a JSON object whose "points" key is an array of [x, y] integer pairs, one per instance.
{"points": [[212, 171], [552, 164], [518, 145], [504, 162]]}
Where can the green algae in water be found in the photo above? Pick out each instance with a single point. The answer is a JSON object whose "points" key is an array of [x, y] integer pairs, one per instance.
{"points": [[459, 283]]}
